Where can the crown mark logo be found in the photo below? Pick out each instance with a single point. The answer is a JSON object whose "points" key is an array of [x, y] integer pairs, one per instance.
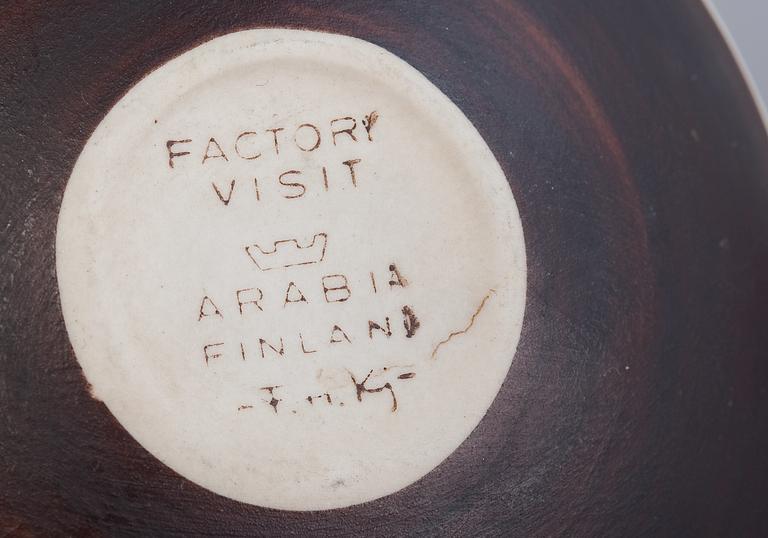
{"points": [[288, 253]]}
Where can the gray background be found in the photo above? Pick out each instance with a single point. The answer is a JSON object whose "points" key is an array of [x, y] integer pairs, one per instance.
{"points": [[745, 22]]}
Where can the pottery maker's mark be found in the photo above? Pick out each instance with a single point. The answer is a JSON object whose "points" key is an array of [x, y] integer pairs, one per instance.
{"points": [[469, 325], [361, 388], [273, 401], [288, 253], [371, 384], [307, 137]]}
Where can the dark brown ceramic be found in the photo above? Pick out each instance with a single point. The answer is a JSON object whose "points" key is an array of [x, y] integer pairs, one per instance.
{"points": [[637, 402]]}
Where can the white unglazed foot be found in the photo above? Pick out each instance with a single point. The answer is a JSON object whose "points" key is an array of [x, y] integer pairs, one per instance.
{"points": [[292, 269]]}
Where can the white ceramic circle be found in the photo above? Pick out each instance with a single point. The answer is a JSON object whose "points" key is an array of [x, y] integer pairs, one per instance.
{"points": [[292, 269]]}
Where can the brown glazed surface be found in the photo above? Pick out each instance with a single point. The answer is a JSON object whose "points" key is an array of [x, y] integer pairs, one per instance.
{"points": [[637, 402]]}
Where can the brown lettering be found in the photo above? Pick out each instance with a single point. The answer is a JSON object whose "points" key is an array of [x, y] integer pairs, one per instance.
{"points": [[279, 352], [351, 164], [220, 155], [317, 137], [226, 200], [292, 185], [395, 278], [254, 301], [237, 146], [274, 138], [205, 306], [293, 295], [338, 335], [215, 355], [372, 326], [410, 321], [333, 283], [303, 348], [348, 130], [172, 154], [368, 123]]}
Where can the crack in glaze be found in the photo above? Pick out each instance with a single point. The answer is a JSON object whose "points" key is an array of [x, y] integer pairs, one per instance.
{"points": [[469, 326]]}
